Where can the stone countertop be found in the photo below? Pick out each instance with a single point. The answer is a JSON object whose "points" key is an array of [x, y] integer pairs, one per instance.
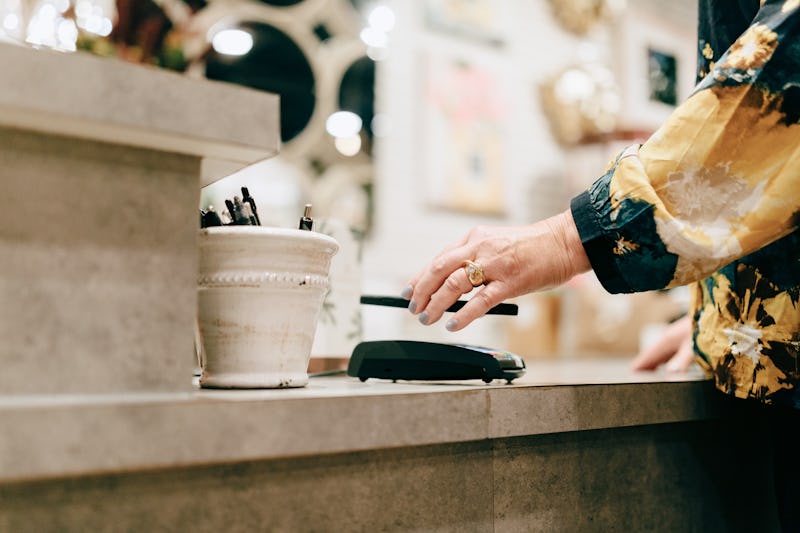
{"points": [[102, 99], [65, 435]]}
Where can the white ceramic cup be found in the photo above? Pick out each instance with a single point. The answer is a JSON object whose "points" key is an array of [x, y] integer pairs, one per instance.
{"points": [[260, 292]]}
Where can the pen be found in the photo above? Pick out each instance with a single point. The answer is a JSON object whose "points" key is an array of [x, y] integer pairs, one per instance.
{"points": [[306, 222], [231, 210], [247, 212], [211, 218], [249, 199], [391, 301], [240, 214]]}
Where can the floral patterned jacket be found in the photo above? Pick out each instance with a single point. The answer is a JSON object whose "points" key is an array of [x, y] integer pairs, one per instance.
{"points": [[713, 199]]}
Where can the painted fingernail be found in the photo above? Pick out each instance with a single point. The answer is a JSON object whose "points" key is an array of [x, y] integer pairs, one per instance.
{"points": [[423, 318], [406, 293], [451, 325], [412, 306]]}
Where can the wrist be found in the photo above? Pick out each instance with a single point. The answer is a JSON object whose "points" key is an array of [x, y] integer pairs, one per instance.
{"points": [[570, 239]]}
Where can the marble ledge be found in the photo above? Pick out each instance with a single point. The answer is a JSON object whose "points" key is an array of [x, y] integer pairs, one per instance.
{"points": [[102, 99], [68, 435]]}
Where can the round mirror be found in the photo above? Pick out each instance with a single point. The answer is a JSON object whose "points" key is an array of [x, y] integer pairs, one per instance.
{"points": [[276, 64], [357, 94]]}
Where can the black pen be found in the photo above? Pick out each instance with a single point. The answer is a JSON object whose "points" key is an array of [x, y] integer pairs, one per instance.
{"points": [[306, 222], [238, 216], [211, 218], [247, 212], [392, 301], [249, 199], [231, 210]]}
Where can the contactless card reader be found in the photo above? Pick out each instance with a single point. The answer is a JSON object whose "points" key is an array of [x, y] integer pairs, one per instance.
{"points": [[430, 361]]}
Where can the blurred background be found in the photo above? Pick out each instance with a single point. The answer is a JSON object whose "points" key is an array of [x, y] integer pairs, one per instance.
{"points": [[405, 123]]}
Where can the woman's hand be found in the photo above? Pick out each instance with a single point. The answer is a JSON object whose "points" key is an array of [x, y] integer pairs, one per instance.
{"points": [[673, 347], [515, 261]]}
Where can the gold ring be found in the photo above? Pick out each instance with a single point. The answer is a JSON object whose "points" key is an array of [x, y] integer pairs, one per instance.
{"points": [[474, 273]]}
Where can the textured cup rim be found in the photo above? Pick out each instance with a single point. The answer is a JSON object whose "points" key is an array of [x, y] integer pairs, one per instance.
{"points": [[289, 234]]}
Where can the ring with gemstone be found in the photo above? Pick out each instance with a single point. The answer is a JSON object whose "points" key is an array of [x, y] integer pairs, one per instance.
{"points": [[474, 272]]}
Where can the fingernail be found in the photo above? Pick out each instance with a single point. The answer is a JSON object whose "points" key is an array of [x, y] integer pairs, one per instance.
{"points": [[406, 293], [673, 367], [412, 306], [451, 325], [423, 318]]}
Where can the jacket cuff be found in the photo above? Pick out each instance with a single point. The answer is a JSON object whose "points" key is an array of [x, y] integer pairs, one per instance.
{"points": [[598, 244]]}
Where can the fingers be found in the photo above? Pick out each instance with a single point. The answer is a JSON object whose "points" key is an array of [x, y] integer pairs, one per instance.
{"points": [[451, 289], [454, 286], [431, 279], [683, 358], [487, 297], [654, 355], [445, 280], [413, 282], [667, 346]]}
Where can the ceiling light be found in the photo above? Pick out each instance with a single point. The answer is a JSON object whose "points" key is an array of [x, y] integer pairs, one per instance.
{"points": [[343, 124], [348, 146], [232, 42], [382, 18], [374, 37]]}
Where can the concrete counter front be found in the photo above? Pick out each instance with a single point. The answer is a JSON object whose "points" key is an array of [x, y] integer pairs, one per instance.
{"points": [[575, 445], [331, 415]]}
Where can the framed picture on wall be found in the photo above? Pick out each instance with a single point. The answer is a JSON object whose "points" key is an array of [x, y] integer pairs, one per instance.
{"points": [[656, 69], [463, 134]]}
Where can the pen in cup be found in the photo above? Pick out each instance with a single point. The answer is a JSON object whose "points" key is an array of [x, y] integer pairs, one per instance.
{"points": [[306, 222], [210, 218], [240, 212], [247, 213], [231, 211], [252, 203]]}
